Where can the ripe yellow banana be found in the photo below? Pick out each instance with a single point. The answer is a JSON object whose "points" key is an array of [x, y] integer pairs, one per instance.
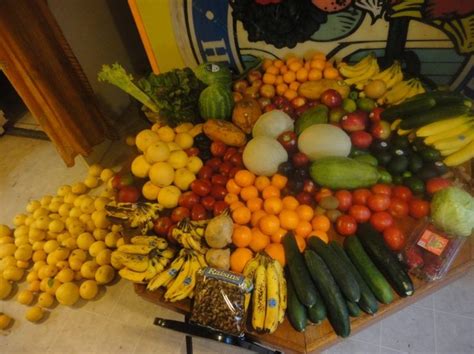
{"points": [[283, 291], [138, 277], [356, 69], [272, 312], [116, 260], [169, 274], [372, 70], [442, 126], [180, 279], [201, 260], [249, 272], [397, 93], [449, 133], [135, 262], [135, 249], [259, 298], [168, 253], [391, 75], [461, 156], [189, 282], [458, 141], [448, 152]]}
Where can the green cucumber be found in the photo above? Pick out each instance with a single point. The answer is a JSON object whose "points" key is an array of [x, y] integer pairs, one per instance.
{"points": [[304, 286], [367, 269], [344, 279], [433, 115], [317, 313], [353, 308], [408, 108], [296, 311], [385, 259], [367, 301], [444, 98], [336, 306]]}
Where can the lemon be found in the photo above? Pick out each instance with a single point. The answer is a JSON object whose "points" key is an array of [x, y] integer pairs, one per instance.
{"points": [[99, 234], [39, 255], [34, 286], [5, 288], [88, 269], [101, 202], [120, 242], [51, 259], [96, 247], [56, 226], [36, 234], [70, 198], [104, 274], [70, 243], [103, 258], [157, 152], [99, 218], [145, 138], [19, 219], [150, 191], [88, 289], [184, 140], [52, 285], [51, 246], [64, 190], [183, 128], [5, 230], [111, 239], [47, 271], [183, 178], [168, 197], [84, 218], [62, 265], [61, 253], [54, 206], [24, 253], [23, 264], [130, 140], [5, 262], [42, 222], [79, 254], [65, 275], [44, 201], [85, 240], [32, 275], [91, 182], [5, 321], [38, 265], [95, 170], [79, 188], [34, 314], [6, 240], [173, 146], [194, 164], [178, 159], [64, 209], [76, 229], [140, 167], [25, 297], [75, 263], [7, 249], [29, 220], [45, 300], [155, 126], [87, 205], [106, 174], [32, 206], [21, 231], [115, 261], [166, 134], [13, 273], [116, 228], [161, 174], [75, 212], [19, 241]]}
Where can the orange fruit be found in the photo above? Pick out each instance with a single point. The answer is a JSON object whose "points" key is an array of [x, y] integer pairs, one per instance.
{"points": [[321, 222], [290, 202], [269, 78], [236, 205], [267, 63], [278, 63], [241, 236], [269, 224], [259, 240], [330, 73], [283, 70], [289, 219], [239, 258], [289, 77], [307, 65], [279, 181], [277, 252], [291, 59], [277, 236], [318, 56], [244, 178], [321, 234], [295, 65], [256, 216], [302, 75], [272, 70], [305, 212], [281, 89], [315, 74], [294, 86], [318, 64], [249, 192], [241, 215], [300, 241], [304, 228], [231, 198], [261, 182], [279, 80], [232, 187], [290, 94], [273, 205], [254, 204], [270, 191]]}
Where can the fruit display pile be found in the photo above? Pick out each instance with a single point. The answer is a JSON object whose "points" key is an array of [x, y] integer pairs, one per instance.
{"points": [[277, 169]]}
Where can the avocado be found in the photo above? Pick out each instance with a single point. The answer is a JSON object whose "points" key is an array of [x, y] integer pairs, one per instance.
{"points": [[416, 185], [383, 157], [397, 165], [429, 154], [416, 163], [314, 115]]}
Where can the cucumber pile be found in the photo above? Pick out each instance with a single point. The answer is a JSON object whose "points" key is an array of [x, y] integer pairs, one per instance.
{"points": [[329, 280]]}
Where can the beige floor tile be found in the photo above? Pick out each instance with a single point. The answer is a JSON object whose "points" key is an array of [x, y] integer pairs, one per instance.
{"points": [[159, 340], [454, 334], [106, 300], [370, 335], [119, 338], [457, 298], [354, 347]]}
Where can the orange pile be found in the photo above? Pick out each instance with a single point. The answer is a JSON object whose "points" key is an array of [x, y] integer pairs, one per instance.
{"points": [[261, 217]]}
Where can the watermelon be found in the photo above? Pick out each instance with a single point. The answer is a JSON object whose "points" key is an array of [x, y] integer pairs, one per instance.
{"points": [[216, 102], [213, 73]]}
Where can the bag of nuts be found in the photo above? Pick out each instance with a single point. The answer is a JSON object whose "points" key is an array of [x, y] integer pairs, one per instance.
{"points": [[220, 300]]}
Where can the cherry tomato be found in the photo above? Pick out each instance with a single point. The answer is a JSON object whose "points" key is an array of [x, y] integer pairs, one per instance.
{"points": [[233, 171], [345, 199], [322, 193], [436, 184], [236, 159], [205, 172], [228, 154], [346, 225], [219, 207], [201, 187], [419, 208], [219, 179], [361, 139], [360, 196], [398, 208], [381, 188], [304, 198], [128, 194], [309, 186], [218, 148], [214, 163], [188, 199], [360, 212], [121, 180], [162, 225], [402, 192], [394, 238], [218, 191], [378, 202], [198, 212], [288, 140], [381, 220], [208, 202], [300, 159], [192, 151], [179, 214], [374, 116], [225, 168]]}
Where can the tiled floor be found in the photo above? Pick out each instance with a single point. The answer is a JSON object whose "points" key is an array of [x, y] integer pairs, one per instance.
{"points": [[121, 322]]}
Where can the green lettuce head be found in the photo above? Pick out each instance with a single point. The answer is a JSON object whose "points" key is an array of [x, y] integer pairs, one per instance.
{"points": [[452, 210]]}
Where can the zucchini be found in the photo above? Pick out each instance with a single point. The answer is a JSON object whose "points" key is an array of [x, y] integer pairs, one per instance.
{"points": [[317, 313], [304, 286], [344, 278], [338, 314], [408, 108], [433, 115], [367, 301], [444, 98], [296, 311], [385, 259], [353, 308], [367, 269]]}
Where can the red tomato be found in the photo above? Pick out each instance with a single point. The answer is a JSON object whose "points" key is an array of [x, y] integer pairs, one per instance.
{"points": [[304, 198], [381, 220], [374, 116], [205, 172], [218, 191], [309, 186], [402, 192], [162, 225], [214, 163], [179, 214], [228, 154], [192, 151], [346, 225], [381, 189], [208, 202], [360, 212], [198, 212], [436, 184], [322, 193], [219, 207], [360, 196], [419, 208], [188, 199], [236, 160], [119, 181], [378, 202], [201, 187], [394, 238], [288, 140], [218, 148], [128, 194], [233, 171], [398, 208], [300, 159], [225, 168], [219, 179], [345, 199]]}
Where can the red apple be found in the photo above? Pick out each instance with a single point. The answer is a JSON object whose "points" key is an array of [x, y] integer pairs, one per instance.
{"points": [[361, 139], [128, 194], [381, 130], [331, 98], [354, 121]]}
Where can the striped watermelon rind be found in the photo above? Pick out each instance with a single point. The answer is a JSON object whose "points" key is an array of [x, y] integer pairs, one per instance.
{"points": [[216, 102]]}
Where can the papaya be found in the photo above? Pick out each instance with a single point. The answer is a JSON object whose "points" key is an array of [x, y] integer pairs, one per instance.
{"points": [[314, 89], [245, 114]]}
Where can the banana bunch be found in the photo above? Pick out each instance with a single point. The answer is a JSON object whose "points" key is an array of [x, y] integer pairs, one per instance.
{"points": [[190, 234], [180, 277], [391, 76], [134, 215], [359, 74], [401, 91], [269, 296], [454, 138], [143, 259]]}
